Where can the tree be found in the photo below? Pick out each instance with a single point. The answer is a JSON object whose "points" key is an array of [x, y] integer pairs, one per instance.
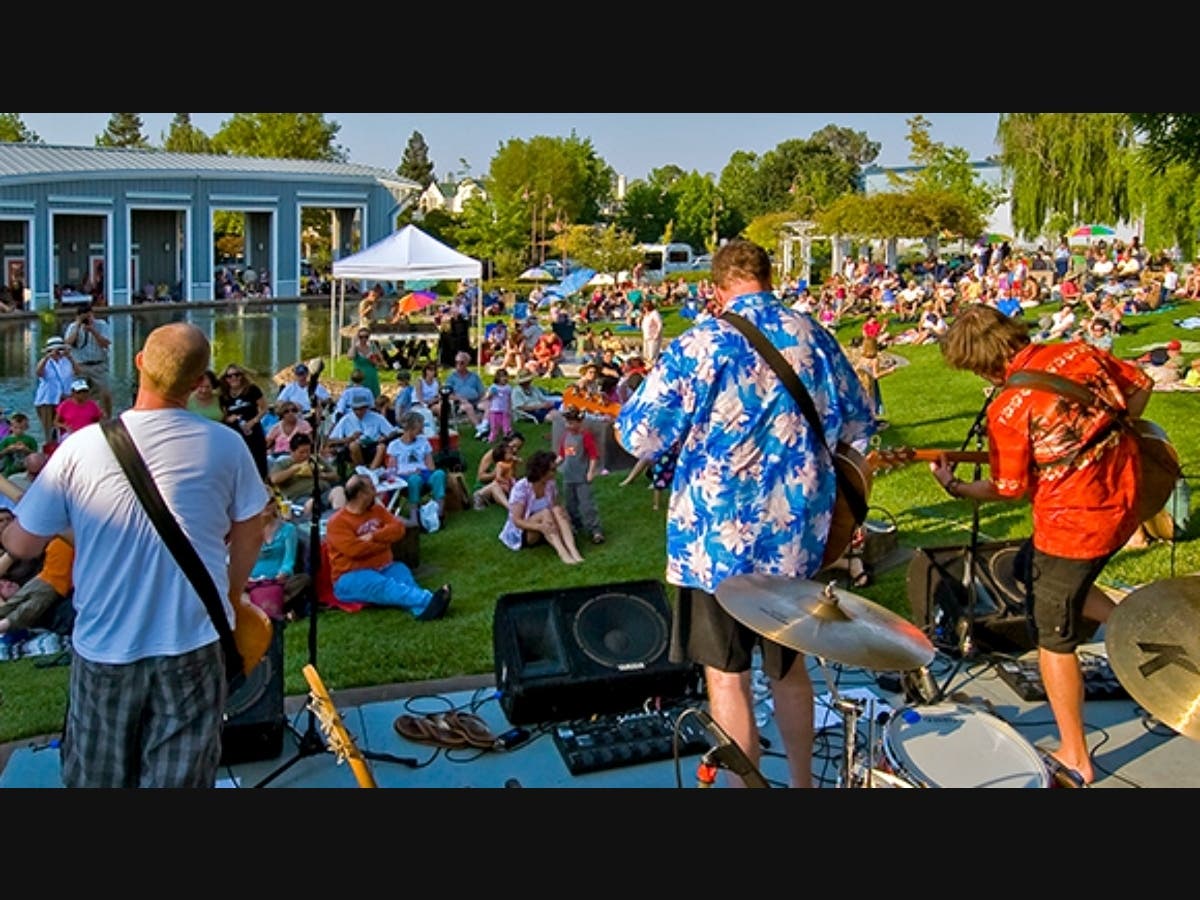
{"points": [[13, 129], [900, 214], [415, 164], [495, 229], [852, 146], [1169, 138], [698, 209], [1077, 164], [123, 130], [606, 249], [946, 170], [280, 136], [559, 176], [645, 212], [184, 137], [739, 185]]}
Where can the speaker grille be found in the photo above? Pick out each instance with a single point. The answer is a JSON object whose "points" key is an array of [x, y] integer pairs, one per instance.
{"points": [[620, 631]]}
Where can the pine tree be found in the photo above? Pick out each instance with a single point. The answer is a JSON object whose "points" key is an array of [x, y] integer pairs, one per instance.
{"points": [[124, 130], [415, 164], [14, 130], [184, 137]]}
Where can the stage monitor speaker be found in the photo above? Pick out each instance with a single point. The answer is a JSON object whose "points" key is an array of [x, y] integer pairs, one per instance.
{"points": [[577, 652], [937, 593], [254, 714]]}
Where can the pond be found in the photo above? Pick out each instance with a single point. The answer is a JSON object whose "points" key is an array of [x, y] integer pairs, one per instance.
{"points": [[262, 337]]}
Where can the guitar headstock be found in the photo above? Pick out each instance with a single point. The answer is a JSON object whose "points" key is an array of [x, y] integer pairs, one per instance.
{"points": [[337, 737]]}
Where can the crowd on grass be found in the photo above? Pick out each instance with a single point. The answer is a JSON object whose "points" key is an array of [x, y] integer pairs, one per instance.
{"points": [[314, 444]]}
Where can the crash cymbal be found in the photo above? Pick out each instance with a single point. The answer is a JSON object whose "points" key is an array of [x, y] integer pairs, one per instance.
{"points": [[1153, 644], [824, 621]]}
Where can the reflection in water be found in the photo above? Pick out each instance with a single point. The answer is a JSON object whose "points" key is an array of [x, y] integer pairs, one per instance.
{"points": [[263, 338]]}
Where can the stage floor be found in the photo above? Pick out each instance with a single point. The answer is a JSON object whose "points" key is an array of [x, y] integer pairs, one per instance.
{"points": [[985, 735]]}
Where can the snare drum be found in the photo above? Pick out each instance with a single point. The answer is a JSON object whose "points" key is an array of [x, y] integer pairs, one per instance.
{"points": [[949, 745]]}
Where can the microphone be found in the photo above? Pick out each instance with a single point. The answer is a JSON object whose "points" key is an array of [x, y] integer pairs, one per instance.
{"points": [[728, 755], [966, 646], [1062, 776]]}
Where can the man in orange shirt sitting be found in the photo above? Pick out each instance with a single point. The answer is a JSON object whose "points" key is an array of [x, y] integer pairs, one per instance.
{"points": [[359, 540]]}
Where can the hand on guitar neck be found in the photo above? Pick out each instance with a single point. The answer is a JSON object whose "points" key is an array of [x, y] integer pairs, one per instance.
{"points": [[882, 459]]}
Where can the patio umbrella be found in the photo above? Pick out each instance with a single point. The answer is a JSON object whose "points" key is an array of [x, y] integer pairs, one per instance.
{"points": [[417, 300], [537, 273], [603, 279], [1091, 231], [572, 284]]}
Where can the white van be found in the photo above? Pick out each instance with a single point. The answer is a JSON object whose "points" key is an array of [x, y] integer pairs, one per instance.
{"points": [[662, 260]]}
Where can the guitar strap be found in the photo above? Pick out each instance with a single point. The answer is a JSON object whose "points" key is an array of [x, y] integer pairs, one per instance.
{"points": [[185, 554], [791, 381]]}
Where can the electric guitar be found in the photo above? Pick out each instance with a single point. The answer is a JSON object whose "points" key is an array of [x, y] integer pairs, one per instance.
{"points": [[337, 738]]}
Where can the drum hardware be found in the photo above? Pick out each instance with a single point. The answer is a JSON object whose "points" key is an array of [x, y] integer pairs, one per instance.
{"points": [[827, 624], [1153, 642]]}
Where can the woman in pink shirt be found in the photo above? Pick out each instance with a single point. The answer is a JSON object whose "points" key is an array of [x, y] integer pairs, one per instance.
{"points": [[77, 410]]}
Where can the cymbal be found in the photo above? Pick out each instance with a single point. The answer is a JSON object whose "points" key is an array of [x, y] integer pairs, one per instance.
{"points": [[826, 622], [1153, 643]]}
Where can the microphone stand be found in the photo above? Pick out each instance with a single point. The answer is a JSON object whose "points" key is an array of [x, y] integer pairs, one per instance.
{"points": [[312, 742], [964, 628]]}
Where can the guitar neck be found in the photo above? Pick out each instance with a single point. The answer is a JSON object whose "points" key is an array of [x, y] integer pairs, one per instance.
{"points": [[952, 456]]}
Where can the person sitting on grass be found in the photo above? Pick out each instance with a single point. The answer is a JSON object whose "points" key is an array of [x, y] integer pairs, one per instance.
{"points": [[16, 445], [503, 478], [411, 455], [292, 477], [534, 513], [359, 541]]}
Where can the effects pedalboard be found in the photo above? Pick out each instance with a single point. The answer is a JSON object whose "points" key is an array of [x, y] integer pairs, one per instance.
{"points": [[1099, 681], [626, 739]]}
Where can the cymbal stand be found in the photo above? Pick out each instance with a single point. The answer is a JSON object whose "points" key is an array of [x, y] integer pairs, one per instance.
{"points": [[850, 710]]}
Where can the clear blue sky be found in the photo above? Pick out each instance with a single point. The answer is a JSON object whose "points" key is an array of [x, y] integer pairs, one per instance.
{"points": [[632, 143]]}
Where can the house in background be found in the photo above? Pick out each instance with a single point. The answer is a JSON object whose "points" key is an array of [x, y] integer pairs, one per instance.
{"points": [[449, 196]]}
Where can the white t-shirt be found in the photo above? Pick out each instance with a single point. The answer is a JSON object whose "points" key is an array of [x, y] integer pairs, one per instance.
{"points": [[409, 458], [372, 426], [293, 392], [132, 599]]}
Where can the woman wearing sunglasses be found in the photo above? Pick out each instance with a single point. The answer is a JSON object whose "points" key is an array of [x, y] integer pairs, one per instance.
{"points": [[244, 405]]}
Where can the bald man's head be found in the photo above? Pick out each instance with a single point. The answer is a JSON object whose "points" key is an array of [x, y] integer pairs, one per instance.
{"points": [[174, 358]]}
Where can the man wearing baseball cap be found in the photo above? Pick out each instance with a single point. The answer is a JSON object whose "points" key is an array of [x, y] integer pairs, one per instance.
{"points": [[90, 339], [302, 392], [77, 410], [531, 402], [361, 436]]}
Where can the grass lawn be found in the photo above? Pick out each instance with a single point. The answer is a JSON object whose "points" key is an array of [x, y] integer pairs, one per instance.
{"points": [[928, 406]]}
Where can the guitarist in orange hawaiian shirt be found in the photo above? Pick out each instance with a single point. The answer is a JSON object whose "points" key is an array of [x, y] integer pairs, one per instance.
{"points": [[1079, 470]]}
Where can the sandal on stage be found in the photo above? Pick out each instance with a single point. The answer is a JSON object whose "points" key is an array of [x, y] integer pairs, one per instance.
{"points": [[472, 728], [431, 730]]}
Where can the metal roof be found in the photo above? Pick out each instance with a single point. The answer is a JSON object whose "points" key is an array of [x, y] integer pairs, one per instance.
{"points": [[23, 161]]}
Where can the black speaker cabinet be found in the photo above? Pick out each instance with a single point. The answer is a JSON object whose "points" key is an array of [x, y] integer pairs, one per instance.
{"points": [[576, 652], [254, 715], [938, 582]]}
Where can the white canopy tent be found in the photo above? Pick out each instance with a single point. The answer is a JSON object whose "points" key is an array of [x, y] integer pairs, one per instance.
{"points": [[406, 255]]}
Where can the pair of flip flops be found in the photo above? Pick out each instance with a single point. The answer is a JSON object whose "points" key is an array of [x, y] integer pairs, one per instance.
{"points": [[447, 729]]}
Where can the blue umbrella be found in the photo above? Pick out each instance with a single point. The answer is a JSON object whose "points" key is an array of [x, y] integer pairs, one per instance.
{"points": [[572, 284]]}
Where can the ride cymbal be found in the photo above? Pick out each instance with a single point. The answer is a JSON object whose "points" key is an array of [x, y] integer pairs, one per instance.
{"points": [[823, 621], [1153, 644]]}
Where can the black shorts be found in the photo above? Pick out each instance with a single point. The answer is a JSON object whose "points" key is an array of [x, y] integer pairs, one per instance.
{"points": [[1056, 589], [703, 632]]}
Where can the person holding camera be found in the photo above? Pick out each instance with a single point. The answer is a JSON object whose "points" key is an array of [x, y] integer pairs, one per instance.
{"points": [[89, 340]]}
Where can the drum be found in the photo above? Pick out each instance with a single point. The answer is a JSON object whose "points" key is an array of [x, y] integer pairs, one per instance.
{"points": [[950, 745]]}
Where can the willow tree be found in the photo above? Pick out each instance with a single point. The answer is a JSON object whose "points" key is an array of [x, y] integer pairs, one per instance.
{"points": [[910, 214], [1076, 164]]}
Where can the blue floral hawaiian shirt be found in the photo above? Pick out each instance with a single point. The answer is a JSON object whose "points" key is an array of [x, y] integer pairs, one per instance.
{"points": [[753, 492]]}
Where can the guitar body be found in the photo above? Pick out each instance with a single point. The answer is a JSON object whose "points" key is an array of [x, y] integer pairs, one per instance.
{"points": [[338, 738], [854, 466], [251, 632], [1160, 469], [573, 396]]}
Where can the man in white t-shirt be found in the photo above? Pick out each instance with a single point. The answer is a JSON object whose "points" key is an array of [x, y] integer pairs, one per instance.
{"points": [[147, 686], [301, 393]]}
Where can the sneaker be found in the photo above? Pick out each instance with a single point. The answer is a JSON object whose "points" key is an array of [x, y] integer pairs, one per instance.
{"points": [[438, 605], [598, 537], [479, 502]]}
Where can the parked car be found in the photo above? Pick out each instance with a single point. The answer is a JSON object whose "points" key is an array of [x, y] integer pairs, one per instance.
{"points": [[703, 262]]}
